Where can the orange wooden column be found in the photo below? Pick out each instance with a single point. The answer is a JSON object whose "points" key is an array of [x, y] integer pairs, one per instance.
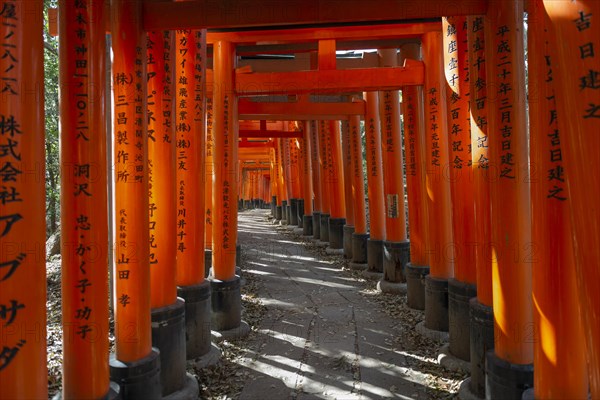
{"points": [[84, 205], [578, 40], [360, 235], [396, 246], [462, 287], [439, 204], [132, 272], [324, 180], [510, 200], [315, 160], [307, 186], [560, 364], [347, 166], [283, 181], [414, 145], [337, 215], [375, 184], [209, 177], [23, 368], [294, 176], [482, 318]]}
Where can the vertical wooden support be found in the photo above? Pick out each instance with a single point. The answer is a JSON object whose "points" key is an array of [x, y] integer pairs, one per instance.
{"points": [[315, 158], [578, 39], [482, 318], [375, 185], [337, 215], [307, 186], [84, 211], [416, 167], [209, 177], [190, 145], [438, 187], [560, 370], [323, 135], [132, 272], [23, 368], [462, 287], [512, 249], [347, 167], [360, 235]]}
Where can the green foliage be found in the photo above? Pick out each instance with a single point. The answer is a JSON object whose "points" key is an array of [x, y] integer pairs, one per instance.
{"points": [[51, 108]]}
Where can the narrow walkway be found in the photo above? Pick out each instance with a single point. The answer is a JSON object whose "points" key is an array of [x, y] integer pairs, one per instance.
{"points": [[327, 334]]}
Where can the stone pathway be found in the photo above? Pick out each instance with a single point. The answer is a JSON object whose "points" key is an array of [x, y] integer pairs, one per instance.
{"points": [[321, 337]]}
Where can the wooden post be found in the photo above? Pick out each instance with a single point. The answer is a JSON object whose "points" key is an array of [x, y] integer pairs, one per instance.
{"points": [[360, 235], [578, 31], [315, 157], [307, 186], [84, 210], [209, 178], [337, 215], [324, 180], [438, 187], [23, 367], [347, 166], [510, 200]]}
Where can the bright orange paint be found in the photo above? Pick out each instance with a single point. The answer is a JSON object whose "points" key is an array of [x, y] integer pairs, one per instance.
{"points": [[512, 249], [22, 223], [84, 211], [190, 157], [577, 32], [357, 177], [226, 162], [347, 165], [456, 68], [480, 158], [374, 168], [209, 176], [323, 133], [132, 269], [559, 345], [161, 167], [315, 164], [336, 174], [439, 205], [306, 169], [414, 145]]}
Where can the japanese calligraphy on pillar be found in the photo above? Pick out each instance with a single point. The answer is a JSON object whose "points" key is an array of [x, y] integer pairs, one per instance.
{"points": [[478, 93], [434, 127], [372, 147], [409, 98], [209, 167]]}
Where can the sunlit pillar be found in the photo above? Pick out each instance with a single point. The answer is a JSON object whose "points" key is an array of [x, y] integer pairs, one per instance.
{"points": [[360, 235], [23, 368], [294, 175], [315, 158], [307, 186], [438, 186], [324, 180], [347, 166], [337, 213], [208, 187]]}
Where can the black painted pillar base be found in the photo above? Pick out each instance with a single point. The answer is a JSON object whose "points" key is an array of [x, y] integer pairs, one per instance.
{"points": [[336, 232], [293, 212], [436, 303], [375, 255], [317, 224], [324, 228], [348, 232], [482, 341], [459, 295], [226, 304], [395, 257], [359, 248], [207, 262], [307, 228], [278, 213], [284, 212], [197, 318], [138, 379], [300, 213], [504, 380], [168, 336], [415, 285], [238, 255], [288, 209]]}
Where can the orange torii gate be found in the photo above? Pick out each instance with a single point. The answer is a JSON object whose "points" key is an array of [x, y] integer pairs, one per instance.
{"points": [[505, 319]]}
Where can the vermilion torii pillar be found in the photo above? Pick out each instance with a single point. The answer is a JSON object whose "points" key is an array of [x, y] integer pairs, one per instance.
{"points": [[84, 205], [396, 247], [375, 184], [307, 187], [294, 177], [337, 216], [414, 145], [462, 287], [347, 166], [208, 187], [226, 296], [288, 177], [136, 365], [324, 181], [285, 180], [482, 317], [510, 200], [316, 178], [438, 187], [360, 235], [578, 39], [23, 367], [560, 364]]}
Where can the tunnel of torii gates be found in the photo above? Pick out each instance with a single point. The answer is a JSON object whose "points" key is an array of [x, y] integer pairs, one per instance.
{"points": [[189, 111]]}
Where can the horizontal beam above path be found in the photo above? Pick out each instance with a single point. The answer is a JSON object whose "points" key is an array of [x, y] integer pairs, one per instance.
{"points": [[217, 14], [298, 110]]}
